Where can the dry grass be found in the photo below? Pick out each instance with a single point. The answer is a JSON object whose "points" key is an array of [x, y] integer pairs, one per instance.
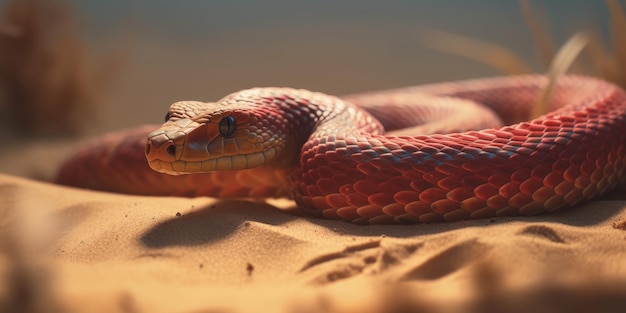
{"points": [[561, 62], [616, 58], [492, 54], [607, 63], [538, 26], [49, 84]]}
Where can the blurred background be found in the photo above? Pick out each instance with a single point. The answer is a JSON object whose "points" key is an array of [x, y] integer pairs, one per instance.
{"points": [[118, 64]]}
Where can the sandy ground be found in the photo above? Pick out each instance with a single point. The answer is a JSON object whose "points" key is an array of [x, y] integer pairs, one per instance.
{"points": [[71, 250]]}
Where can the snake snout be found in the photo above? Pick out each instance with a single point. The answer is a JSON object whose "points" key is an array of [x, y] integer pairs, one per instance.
{"points": [[160, 148]]}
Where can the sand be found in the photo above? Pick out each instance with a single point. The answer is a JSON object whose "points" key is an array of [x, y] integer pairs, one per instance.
{"points": [[72, 250]]}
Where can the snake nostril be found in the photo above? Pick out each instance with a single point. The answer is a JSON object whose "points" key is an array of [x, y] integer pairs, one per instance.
{"points": [[148, 148], [171, 150]]}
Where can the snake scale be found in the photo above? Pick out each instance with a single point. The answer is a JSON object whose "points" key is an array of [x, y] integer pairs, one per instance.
{"points": [[439, 152]]}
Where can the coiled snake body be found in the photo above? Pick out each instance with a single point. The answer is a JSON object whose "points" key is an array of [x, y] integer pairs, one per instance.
{"points": [[446, 155]]}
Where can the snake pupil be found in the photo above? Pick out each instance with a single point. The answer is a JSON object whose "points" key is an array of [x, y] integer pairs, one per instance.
{"points": [[167, 116], [227, 126]]}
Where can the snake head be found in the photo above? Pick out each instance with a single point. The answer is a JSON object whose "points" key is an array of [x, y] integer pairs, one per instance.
{"points": [[203, 137]]}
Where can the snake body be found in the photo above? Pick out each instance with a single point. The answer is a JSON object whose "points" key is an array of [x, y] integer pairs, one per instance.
{"points": [[441, 152]]}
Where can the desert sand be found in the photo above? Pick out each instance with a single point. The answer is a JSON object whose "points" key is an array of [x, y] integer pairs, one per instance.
{"points": [[72, 250]]}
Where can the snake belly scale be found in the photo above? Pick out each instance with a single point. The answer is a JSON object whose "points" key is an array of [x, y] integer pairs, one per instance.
{"points": [[441, 152]]}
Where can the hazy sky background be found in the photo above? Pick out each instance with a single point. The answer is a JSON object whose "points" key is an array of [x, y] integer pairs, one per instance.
{"points": [[201, 19], [203, 50]]}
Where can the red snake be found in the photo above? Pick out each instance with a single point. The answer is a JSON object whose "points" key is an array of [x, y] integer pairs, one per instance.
{"points": [[447, 153]]}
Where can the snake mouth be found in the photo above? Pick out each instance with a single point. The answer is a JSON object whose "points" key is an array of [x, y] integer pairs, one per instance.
{"points": [[223, 163], [165, 156], [168, 157]]}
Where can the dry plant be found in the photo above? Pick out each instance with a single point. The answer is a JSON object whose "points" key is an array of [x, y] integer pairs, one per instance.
{"points": [[492, 54], [49, 85], [48, 82], [609, 64], [27, 281]]}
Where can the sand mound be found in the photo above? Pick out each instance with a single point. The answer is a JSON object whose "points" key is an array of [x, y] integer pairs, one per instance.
{"points": [[73, 250]]}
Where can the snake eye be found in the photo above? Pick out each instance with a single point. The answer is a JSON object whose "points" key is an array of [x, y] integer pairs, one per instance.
{"points": [[167, 116], [227, 126]]}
